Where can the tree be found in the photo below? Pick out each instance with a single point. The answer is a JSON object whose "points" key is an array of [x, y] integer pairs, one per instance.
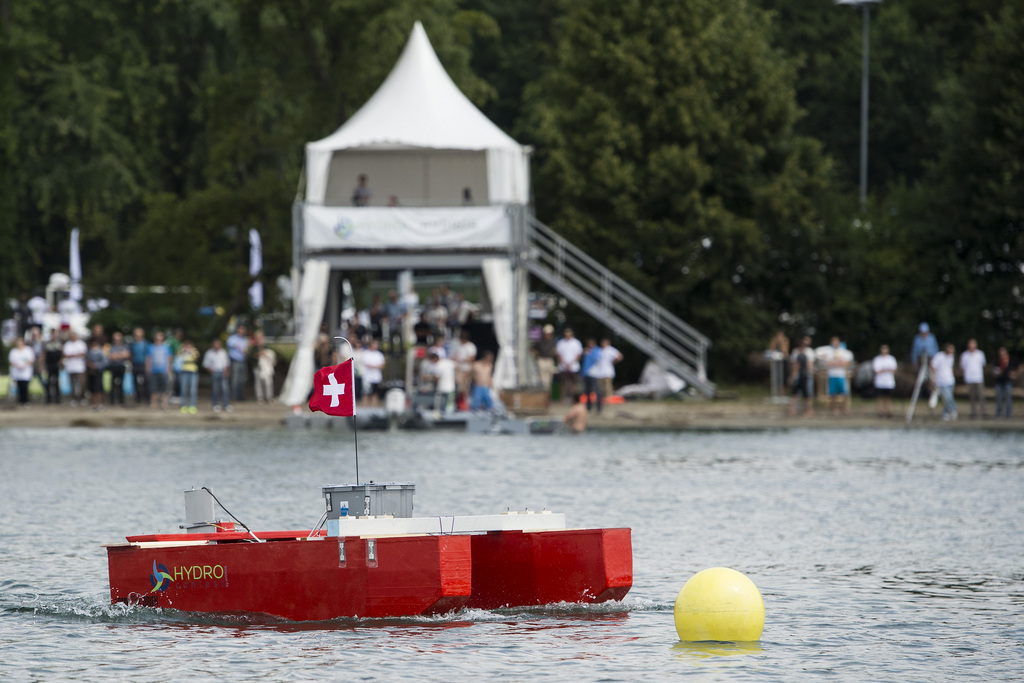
{"points": [[166, 129], [972, 229], [666, 144]]}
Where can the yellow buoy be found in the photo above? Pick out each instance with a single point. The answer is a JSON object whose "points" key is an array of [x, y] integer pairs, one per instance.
{"points": [[719, 604]]}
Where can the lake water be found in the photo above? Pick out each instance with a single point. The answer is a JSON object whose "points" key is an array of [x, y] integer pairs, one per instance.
{"points": [[881, 555]]}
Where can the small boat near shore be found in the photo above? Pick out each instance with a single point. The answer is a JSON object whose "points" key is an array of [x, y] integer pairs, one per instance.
{"points": [[380, 562]]}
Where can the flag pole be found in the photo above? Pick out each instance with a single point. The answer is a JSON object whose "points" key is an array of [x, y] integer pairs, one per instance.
{"points": [[352, 383]]}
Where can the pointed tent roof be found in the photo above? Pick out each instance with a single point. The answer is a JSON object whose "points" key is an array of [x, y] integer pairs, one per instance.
{"points": [[417, 106]]}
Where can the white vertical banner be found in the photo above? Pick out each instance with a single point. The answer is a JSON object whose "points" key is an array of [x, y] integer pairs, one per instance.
{"points": [[75, 268], [499, 281], [255, 268], [310, 302]]}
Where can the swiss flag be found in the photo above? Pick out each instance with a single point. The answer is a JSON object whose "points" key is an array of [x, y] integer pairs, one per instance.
{"points": [[333, 390]]}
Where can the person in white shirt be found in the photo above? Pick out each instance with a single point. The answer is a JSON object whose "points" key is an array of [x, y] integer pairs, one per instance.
{"points": [[373, 372], [464, 357], [444, 382], [218, 364], [838, 360], [942, 369], [22, 359], [884, 366], [569, 350], [604, 367], [972, 362], [74, 364]]}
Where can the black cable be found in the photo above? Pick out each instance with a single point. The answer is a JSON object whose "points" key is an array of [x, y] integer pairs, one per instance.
{"points": [[231, 515]]}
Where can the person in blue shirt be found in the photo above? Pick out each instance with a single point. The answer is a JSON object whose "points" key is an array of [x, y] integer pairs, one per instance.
{"points": [[591, 387], [925, 344], [139, 348], [158, 368]]}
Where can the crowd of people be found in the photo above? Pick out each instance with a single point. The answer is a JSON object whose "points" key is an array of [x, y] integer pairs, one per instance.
{"points": [[447, 364], [101, 371], [828, 370]]}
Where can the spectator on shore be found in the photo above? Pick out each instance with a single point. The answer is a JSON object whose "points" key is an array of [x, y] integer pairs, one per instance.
{"points": [[439, 347], [373, 372], [54, 351], [591, 390], [238, 349], [264, 368], [99, 336], [924, 347], [884, 367], [972, 363], [158, 369], [35, 342], [604, 370], [140, 349], [174, 341], [569, 351], [376, 317], [188, 376], [464, 357], [482, 371], [323, 351], [942, 369], [1005, 371], [802, 376], [395, 311], [95, 365], [442, 371], [217, 363], [74, 364], [119, 358], [545, 349], [838, 361], [22, 361], [436, 315]]}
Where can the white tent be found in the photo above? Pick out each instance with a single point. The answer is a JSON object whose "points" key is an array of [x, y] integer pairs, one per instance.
{"points": [[419, 139]]}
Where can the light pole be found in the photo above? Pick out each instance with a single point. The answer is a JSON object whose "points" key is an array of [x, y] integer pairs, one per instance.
{"points": [[865, 6]]}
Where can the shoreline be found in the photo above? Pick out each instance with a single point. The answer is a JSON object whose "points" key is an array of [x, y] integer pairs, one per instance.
{"points": [[694, 415]]}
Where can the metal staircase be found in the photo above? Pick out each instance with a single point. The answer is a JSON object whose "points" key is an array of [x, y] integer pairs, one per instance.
{"points": [[670, 342]]}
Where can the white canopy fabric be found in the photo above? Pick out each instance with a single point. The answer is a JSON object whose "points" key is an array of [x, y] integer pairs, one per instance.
{"points": [[419, 107], [310, 304], [498, 278]]}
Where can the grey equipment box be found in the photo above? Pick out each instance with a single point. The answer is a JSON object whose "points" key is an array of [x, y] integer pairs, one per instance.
{"points": [[361, 500], [199, 512]]}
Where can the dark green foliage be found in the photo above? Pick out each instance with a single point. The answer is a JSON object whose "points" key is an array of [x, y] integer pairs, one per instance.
{"points": [[706, 151], [667, 146]]}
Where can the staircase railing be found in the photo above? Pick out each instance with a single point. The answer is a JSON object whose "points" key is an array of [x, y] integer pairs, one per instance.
{"points": [[672, 344]]}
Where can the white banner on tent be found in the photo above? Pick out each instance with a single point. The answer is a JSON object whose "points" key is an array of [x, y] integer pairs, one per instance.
{"points": [[328, 227]]}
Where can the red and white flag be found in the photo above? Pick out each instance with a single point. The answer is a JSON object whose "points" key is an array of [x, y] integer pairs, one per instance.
{"points": [[334, 390]]}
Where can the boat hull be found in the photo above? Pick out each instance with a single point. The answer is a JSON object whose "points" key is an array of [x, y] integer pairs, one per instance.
{"points": [[298, 579], [542, 568], [330, 577]]}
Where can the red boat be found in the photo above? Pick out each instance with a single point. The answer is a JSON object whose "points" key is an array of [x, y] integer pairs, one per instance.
{"points": [[384, 563]]}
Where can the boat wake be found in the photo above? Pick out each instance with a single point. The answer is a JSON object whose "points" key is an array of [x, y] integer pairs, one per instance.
{"points": [[22, 599]]}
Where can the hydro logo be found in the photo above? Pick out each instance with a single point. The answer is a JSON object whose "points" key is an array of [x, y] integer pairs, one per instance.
{"points": [[160, 578]]}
